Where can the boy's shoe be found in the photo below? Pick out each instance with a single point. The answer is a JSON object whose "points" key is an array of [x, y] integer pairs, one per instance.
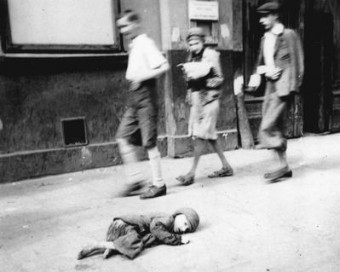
{"points": [[130, 189], [154, 191]]}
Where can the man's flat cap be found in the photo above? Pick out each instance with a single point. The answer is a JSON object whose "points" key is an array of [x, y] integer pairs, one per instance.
{"points": [[269, 7]]}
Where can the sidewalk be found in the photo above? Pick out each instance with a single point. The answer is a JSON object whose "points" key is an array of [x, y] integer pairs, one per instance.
{"points": [[246, 224]]}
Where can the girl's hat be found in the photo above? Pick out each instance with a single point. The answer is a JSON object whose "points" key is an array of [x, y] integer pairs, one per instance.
{"points": [[195, 33]]}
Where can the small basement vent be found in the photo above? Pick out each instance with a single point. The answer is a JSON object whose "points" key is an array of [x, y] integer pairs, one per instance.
{"points": [[74, 131]]}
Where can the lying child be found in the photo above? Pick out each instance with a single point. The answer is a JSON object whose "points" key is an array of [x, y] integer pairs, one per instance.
{"points": [[129, 235]]}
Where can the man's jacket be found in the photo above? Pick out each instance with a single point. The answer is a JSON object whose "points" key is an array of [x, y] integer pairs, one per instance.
{"points": [[288, 56]]}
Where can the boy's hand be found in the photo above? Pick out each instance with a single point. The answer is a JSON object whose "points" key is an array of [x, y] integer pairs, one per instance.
{"points": [[181, 65], [185, 240]]}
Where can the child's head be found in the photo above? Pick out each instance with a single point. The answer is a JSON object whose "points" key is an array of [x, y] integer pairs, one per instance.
{"points": [[186, 220], [195, 40], [129, 24]]}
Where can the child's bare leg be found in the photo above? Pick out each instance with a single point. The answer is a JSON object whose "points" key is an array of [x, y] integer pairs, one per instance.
{"points": [[188, 179], [218, 149], [198, 151], [96, 248], [226, 170]]}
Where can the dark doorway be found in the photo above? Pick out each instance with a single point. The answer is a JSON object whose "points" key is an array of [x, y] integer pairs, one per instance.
{"points": [[292, 16], [317, 108], [318, 46]]}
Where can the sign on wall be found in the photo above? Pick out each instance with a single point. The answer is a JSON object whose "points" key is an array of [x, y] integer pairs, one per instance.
{"points": [[203, 10]]}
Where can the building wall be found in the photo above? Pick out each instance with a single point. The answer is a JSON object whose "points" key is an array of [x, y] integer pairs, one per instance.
{"points": [[149, 12], [175, 24], [37, 92]]}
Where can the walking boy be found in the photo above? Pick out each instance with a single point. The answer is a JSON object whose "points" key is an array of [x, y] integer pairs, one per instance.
{"points": [[281, 62], [139, 123]]}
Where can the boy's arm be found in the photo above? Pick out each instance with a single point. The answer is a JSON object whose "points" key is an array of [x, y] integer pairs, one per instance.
{"points": [[157, 62], [154, 73], [159, 230]]}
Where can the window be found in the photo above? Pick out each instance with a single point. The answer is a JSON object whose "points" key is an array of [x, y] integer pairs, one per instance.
{"points": [[60, 25]]}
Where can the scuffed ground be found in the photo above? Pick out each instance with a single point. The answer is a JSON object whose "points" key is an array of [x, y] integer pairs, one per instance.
{"points": [[246, 224]]}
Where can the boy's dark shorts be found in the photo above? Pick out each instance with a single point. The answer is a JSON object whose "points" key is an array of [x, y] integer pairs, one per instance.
{"points": [[139, 123]]}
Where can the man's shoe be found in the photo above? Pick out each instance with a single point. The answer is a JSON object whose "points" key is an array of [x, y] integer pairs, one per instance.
{"points": [[260, 147], [153, 191], [130, 189], [284, 172], [281, 146]]}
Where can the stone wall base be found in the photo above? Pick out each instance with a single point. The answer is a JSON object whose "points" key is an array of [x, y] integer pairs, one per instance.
{"points": [[25, 165]]}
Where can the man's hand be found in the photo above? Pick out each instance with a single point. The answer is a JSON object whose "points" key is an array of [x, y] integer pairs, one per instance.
{"points": [[185, 240], [273, 73]]}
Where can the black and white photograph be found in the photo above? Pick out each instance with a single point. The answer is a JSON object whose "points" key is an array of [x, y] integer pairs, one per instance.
{"points": [[170, 135]]}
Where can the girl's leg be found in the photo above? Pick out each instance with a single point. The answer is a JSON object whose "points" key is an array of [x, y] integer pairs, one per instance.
{"points": [[199, 145], [218, 149]]}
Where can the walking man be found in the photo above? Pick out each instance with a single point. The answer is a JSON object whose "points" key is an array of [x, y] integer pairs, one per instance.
{"points": [[281, 62], [139, 124]]}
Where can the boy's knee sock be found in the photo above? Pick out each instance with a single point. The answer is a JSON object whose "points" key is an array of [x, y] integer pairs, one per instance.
{"points": [[155, 162], [129, 156]]}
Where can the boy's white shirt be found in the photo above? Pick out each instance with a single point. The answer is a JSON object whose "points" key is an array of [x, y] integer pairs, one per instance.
{"points": [[144, 58]]}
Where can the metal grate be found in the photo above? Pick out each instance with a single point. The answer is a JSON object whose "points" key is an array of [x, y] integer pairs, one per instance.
{"points": [[74, 131]]}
